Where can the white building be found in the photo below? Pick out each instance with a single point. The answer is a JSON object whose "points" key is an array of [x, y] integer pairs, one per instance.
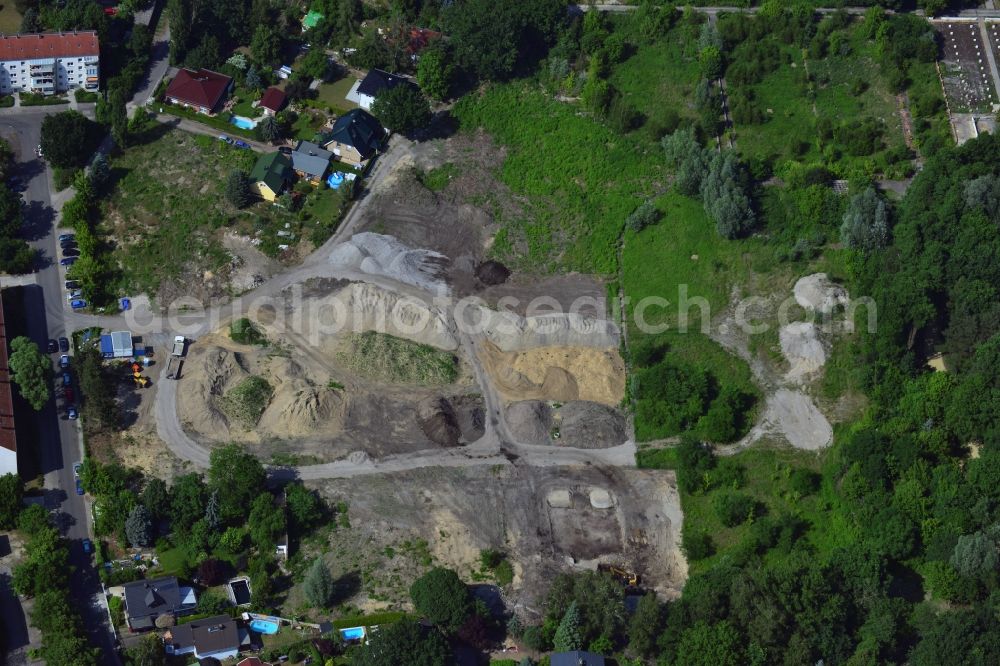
{"points": [[48, 63]]}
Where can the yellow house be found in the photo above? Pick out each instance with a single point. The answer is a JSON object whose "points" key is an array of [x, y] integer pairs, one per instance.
{"points": [[270, 175], [355, 138]]}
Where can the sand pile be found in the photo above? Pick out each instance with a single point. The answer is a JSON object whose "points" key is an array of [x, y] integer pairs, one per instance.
{"points": [[818, 292], [556, 373], [510, 331], [377, 254], [800, 344], [530, 421], [371, 308], [793, 414], [590, 425]]}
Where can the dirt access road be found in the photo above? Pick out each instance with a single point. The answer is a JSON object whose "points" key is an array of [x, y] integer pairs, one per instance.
{"points": [[497, 446]]}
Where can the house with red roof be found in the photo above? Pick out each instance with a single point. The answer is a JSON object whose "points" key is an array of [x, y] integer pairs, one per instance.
{"points": [[199, 89], [49, 62], [272, 101]]}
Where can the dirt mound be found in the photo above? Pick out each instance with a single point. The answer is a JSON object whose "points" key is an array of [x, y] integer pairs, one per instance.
{"points": [[438, 421], [492, 273], [800, 344], [818, 292], [530, 421], [512, 332], [378, 254], [590, 425], [471, 416], [556, 373]]}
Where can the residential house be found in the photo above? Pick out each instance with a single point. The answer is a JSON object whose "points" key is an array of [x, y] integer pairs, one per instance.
{"points": [[49, 63], [270, 175], [217, 637], [576, 658], [199, 89], [8, 435], [364, 92], [355, 138], [272, 101], [310, 161], [148, 600]]}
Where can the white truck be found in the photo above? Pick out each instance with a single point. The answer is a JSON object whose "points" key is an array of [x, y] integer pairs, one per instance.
{"points": [[177, 354]]}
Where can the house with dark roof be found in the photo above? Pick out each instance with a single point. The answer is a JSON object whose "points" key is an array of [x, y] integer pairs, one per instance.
{"points": [[270, 175], [215, 637], [355, 137], [199, 89], [364, 92], [148, 600], [576, 658], [272, 101], [310, 162]]}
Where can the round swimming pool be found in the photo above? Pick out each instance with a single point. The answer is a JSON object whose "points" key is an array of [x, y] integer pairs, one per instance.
{"points": [[264, 626]]}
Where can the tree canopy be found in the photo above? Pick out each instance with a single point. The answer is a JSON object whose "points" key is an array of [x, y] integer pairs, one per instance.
{"points": [[31, 370], [442, 597], [69, 139]]}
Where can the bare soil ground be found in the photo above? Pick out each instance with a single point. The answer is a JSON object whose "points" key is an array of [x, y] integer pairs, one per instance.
{"points": [[402, 524], [964, 66]]}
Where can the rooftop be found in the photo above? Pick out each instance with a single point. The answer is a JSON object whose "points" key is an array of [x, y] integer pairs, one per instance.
{"points": [[49, 45], [377, 80], [273, 99], [310, 159], [359, 129], [210, 635], [198, 87]]}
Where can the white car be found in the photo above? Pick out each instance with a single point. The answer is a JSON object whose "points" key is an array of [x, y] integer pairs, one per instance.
{"points": [[76, 293], [38, 151]]}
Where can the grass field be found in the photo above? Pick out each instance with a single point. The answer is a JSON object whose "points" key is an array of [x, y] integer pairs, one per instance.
{"points": [[332, 94], [10, 19], [396, 360], [168, 220]]}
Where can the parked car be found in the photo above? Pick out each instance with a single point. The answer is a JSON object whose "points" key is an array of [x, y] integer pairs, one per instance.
{"points": [[67, 379], [72, 284], [68, 394], [66, 237], [87, 546], [70, 252], [38, 151], [72, 415], [64, 361], [79, 486], [223, 137], [76, 293], [78, 304], [64, 344], [67, 261], [67, 244], [76, 469], [241, 144], [53, 346]]}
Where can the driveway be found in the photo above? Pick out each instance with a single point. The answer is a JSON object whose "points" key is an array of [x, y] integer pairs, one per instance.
{"points": [[59, 441]]}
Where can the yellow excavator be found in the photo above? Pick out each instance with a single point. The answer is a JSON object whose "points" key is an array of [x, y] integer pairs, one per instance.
{"points": [[622, 575]]}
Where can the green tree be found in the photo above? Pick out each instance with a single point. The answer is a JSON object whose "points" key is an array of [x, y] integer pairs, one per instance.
{"points": [[599, 598], [156, 498], [253, 81], [644, 215], [421, 647], [710, 645], [436, 72], [402, 108], [238, 477], [265, 47], [723, 193], [568, 638], [100, 172], [305, 508], [866, 223], [238, 191], [267, 522], [188, 499], [974, 555], [314, 65], [212, 518], [11, 493], [442, 597], [69, 139], [710, 62], [688, 158], [269, 129], [734, 509], [30, 21], [31, 370], [318, 584], [147, 652], [139, 527], [645, 625]]}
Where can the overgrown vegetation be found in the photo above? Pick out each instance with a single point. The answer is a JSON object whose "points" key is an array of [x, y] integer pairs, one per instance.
{"points": [[388, 358], [246, 401]]}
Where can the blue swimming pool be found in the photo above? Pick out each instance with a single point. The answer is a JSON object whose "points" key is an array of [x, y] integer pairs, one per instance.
{"points": [[243, 123], [264, 626], [353, 633]]}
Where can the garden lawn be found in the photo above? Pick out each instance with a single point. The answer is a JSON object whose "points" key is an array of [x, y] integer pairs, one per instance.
{"points": [[10, 18], [168, 219], [582, 179], [334, 94]]}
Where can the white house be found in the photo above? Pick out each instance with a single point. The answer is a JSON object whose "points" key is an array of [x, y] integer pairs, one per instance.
{"points": [[48, 63], [364, 92]]}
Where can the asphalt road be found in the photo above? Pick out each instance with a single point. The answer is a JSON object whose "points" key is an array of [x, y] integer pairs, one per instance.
{"points": [[59, 444]]}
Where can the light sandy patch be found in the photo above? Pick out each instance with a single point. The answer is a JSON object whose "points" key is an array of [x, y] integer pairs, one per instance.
{"points": [[802, 348], [817, 292], [510, 331], [378, 254], [793, 415], [556, 373]]}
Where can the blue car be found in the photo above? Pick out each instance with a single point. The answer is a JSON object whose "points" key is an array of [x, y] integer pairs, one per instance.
{"points": [[66, 237], [87, 546], [241, 144], [78, 304], [67, 261], [67, 379], [79, 487]]}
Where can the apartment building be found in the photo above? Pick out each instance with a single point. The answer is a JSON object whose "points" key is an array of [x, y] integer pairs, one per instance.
{"points": [[49, 63]]}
